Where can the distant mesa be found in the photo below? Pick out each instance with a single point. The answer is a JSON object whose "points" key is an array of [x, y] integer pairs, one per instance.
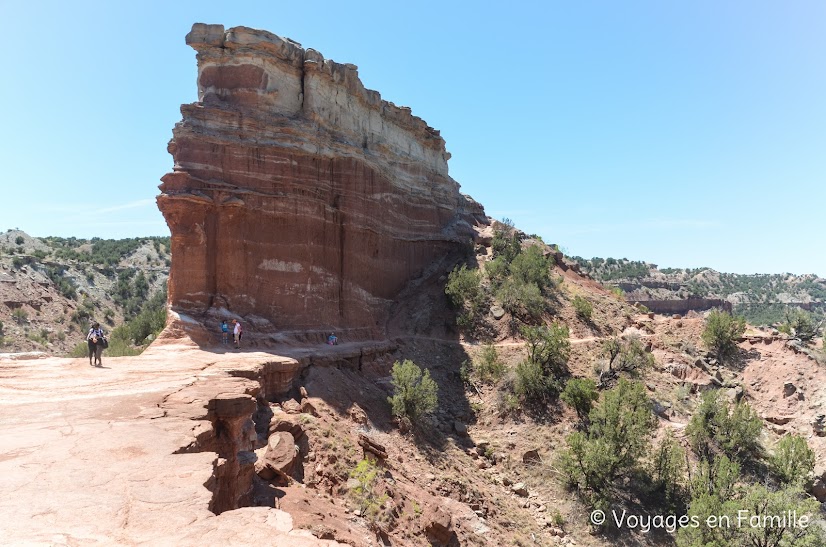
{"points": [[297, 196]]}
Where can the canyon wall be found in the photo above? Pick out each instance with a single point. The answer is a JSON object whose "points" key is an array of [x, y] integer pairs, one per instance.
{"points": [[298, 198]]}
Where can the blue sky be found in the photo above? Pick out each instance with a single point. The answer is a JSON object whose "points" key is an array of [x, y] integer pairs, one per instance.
{"points": [[682, 133]]}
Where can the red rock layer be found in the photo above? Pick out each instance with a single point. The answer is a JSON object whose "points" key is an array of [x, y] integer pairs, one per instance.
{"points": [[299, 198]]}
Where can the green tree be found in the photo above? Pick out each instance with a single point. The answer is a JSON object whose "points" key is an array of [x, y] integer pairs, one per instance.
{"points": [[619, 434], [414, 391], [722, 332], [19, 240], [632, 357], [793, 462], [754, 516], [549, 346], [506, 242], [717, 425], [668, 469], [580, 394], [711, 486], [801, 325]]}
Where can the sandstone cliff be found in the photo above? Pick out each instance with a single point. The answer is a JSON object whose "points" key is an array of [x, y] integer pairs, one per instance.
{"points": [[298, 198]]}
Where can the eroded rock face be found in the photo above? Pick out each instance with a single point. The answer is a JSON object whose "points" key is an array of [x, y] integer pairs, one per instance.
{"points": [[299, 196]]}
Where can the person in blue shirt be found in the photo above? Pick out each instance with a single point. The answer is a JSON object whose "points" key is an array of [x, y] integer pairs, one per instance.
{"points": [[224, 332], [332, 339]]}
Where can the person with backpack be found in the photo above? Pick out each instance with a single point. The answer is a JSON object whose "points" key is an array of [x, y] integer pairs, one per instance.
{"points": [[224, 332], [238, 333], [97, 343]]}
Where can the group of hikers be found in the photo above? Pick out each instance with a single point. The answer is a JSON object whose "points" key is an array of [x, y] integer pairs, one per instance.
{"points": [[237, 332], [97, 341]]}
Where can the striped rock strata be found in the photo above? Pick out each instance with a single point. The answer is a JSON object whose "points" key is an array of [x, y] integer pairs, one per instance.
{"points": [[299, 198]]}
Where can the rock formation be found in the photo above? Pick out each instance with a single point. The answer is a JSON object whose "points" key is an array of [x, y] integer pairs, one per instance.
{"points": [[298, 198]]}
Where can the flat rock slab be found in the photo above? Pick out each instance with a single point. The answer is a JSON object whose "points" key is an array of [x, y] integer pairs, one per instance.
{"points": [[87, 455]]}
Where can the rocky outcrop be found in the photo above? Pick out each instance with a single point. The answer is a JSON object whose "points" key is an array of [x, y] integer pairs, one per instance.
{"points": [[683, 306], [298, 198]]}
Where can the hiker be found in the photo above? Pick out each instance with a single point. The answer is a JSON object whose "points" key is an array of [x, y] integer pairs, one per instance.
{"points": [[224, 332], [332, 339], [237, 332], [97, 342]]}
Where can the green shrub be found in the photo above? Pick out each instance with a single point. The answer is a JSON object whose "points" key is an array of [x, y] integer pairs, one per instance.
{"points": [[668, 469], [531, 267], [618, 293], [80, 350], [549, 346], [1, 328], [19, 240], [506, 242], [722, 332], [632, 357], [779, 516], [464, 289], [800, 325], [583, 308], [487, 365], [414, 392], [619, 434], [65, 285], [580, 394], [793, 462], [717, 425], [20, 316], [17, 262], [497, 271], [532, 385], [365, 496], [521, 299]]}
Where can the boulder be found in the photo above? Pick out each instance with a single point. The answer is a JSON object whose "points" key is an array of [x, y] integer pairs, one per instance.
{"points": [[291, 406], [520, 489], [789, 389], [438, 525], [307, 407], [531, 456], [460, 428], [498, 312], [278, 458], [281, 421], [819, 489], [662, 409], [819, 425]]}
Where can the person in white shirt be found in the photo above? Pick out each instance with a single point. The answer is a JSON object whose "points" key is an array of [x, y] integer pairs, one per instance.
{"points": [[237, 333]]}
